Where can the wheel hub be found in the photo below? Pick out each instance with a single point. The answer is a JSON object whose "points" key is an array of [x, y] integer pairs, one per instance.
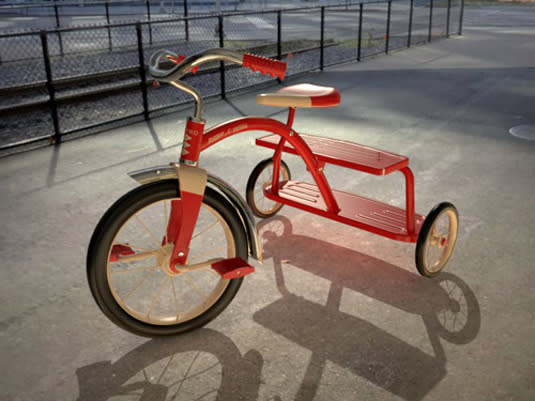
{"points": [[163, 259], [439, 241]]}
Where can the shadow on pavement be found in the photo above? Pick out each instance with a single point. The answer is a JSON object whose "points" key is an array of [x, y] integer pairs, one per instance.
{"points": [[193, 366], [206, 363], [448, 308]]}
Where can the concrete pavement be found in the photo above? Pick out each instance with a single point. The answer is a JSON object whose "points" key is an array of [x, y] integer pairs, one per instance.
{"points": [[334, 313]]}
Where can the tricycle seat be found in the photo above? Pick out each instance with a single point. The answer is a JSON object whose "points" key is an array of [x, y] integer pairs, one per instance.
{"points": [[301, 95]]}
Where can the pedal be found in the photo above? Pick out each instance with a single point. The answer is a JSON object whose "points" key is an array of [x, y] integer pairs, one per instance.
{"points": [[122, 250], [232, 268]]}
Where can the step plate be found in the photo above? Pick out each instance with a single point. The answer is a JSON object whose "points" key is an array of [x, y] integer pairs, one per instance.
{"points": [[368, 214], [345, 154]]}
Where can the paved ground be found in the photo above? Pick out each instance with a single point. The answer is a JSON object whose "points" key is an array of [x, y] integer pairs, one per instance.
{"points": [[334, 313]]}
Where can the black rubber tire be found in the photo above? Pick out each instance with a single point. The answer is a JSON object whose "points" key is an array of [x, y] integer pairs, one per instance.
{"points": [[252, 181], [110, 224], [423, 236]]}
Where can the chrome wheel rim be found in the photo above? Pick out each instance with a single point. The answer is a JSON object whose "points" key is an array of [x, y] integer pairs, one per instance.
{"points": [[142, 283], [263, 204], [440, 240]]}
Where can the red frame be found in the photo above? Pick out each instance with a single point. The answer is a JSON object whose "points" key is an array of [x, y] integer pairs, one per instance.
{"points": [[291, 141]]}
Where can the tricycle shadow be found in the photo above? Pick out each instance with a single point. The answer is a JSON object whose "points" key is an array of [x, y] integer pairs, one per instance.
{"points": [[203, 364], [448, 307]]}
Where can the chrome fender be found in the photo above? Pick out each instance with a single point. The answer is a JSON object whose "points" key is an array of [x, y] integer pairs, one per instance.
{"points": [[158, 173]]}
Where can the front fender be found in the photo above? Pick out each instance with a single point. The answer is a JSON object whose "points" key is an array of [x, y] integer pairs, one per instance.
{"points": [[157, 173]]}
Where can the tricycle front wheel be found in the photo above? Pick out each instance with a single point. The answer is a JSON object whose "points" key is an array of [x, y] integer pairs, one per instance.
{"points": [[128, 268], [259, 179], [436, 239]]}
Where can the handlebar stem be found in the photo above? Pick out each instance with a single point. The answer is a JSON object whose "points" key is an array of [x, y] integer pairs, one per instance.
{"points": [[197, 115], [188, 64]]}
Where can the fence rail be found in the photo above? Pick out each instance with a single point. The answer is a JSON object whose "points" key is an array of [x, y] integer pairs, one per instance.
{"points": [[60, 14], [58, 82]]}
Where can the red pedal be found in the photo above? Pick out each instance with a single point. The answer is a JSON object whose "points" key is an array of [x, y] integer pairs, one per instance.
{"points": [[232, 268], [120, 250]]}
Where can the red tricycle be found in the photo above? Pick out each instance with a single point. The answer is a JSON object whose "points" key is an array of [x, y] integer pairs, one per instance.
{"points": [[171, 254]]}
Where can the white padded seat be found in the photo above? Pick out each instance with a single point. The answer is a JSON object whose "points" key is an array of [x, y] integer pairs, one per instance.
{"points": [[301, 95]]}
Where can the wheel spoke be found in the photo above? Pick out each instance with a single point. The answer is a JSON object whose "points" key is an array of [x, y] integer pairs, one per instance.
{"points": [[205, 229], [209, 270], [165, 219], [138, 285], [147, 230], [207, 253], [157, 296], [192, 284], [125, 244], [136, 257], [177, 309], [265, 176], [137, 269]]}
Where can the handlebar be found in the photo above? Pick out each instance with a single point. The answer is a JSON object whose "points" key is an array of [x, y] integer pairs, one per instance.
{"points": [[163, 67]]}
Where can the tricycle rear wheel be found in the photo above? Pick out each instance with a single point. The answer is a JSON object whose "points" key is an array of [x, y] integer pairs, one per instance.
{"points": [[261, 177], [436, 239]]}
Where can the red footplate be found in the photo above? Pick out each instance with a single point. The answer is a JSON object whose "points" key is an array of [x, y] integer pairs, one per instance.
{"points": [[344, 153], [358, 211], [120, 250], [232, 268]]}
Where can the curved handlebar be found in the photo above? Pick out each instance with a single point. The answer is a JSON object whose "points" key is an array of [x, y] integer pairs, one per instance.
{"points": [[163, 67]]}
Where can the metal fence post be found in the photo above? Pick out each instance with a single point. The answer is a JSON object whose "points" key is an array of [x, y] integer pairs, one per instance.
{"points": [[389, 14], [221, 63], [279, 34], [279, 38], [322, 38], [359, 40], [448, 20], [56, 13], [58, 25], [50, 89], [186, 21], [107, 6], [430, 21], [409, 37], [147, 2], [142, 72], [460, 32]]}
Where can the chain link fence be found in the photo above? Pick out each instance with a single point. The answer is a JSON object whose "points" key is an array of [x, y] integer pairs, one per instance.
{"points": [[66, 14], [60, 82]]}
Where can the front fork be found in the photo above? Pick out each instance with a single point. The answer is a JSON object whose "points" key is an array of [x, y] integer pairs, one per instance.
{"points": [[185, 212]]}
